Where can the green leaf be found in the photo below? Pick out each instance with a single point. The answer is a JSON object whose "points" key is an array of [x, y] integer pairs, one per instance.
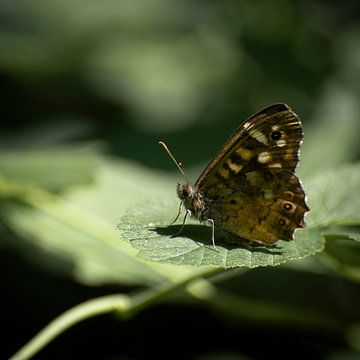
{"points": [[343, 251], [119, 185], [53, 169], [146, 228], [335, 203], [332, 136], [333, 197], [75, 234], [93, 254], [346, 232]]}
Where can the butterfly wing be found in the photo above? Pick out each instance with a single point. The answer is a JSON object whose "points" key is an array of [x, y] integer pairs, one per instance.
{"points": [[250, 186], [256, 144], [262, 206]]}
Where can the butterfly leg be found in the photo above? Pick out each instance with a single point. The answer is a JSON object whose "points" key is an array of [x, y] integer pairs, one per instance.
{"points": [[188, 212], [178, 214], [211, 221]]}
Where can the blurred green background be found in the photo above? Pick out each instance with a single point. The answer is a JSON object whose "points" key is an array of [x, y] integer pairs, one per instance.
{"points": [[88, 88]]}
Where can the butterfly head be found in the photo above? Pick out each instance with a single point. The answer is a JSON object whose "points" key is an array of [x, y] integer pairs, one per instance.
{"points": [[187, 195], [185, 191], [192, 200]]}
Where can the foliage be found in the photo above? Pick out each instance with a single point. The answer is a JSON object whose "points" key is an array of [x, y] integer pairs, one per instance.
{"points": [[89, 89]]}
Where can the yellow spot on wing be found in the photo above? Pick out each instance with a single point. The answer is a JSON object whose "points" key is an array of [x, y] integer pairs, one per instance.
{"points": [[224, 173], [245, 154], [289, 155], [264, 157], [233, 166]]}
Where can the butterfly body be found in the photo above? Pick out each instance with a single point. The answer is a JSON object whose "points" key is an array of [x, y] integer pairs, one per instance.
{"points": [[194, 202], [250, 188]]}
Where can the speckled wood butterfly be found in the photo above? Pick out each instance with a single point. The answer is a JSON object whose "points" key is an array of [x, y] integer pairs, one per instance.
{"points": [[250, 189]]}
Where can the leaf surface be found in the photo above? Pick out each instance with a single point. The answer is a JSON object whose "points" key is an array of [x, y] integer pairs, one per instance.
{"points": [[146, 228]]}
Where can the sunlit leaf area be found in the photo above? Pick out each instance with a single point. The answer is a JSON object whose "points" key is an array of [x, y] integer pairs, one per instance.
{"points": [[88, 196]]}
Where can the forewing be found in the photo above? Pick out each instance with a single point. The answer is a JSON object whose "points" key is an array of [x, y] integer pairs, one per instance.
{"points": [[269, 139], [262, 206]]}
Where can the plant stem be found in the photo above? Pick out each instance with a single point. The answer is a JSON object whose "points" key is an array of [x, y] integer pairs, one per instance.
{"points": [[120, 303], [69, 318]]}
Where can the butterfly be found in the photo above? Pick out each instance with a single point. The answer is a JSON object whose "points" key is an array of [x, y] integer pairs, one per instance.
{"points": [[250, 188]]}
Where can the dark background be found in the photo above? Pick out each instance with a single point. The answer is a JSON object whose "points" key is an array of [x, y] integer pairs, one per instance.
{"points": [[123, 75]]}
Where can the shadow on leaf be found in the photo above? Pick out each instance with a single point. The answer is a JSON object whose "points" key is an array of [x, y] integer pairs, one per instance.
{"points": [[202, 235]]}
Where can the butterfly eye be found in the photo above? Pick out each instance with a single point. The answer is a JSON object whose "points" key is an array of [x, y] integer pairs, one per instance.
{"points": [[275, 135]]}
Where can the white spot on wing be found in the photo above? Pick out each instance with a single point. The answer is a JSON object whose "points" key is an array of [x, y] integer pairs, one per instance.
{"points": [[246, 126], [281, 143], [275, 165], [259, 136], [264, 157]]}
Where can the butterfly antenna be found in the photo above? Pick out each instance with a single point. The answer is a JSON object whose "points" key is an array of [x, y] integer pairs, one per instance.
{"points": [[179, 165]]}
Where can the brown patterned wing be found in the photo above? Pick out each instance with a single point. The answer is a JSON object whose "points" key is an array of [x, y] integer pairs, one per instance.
{"points": [[250, 186], [269, 139], [262, 206]]}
